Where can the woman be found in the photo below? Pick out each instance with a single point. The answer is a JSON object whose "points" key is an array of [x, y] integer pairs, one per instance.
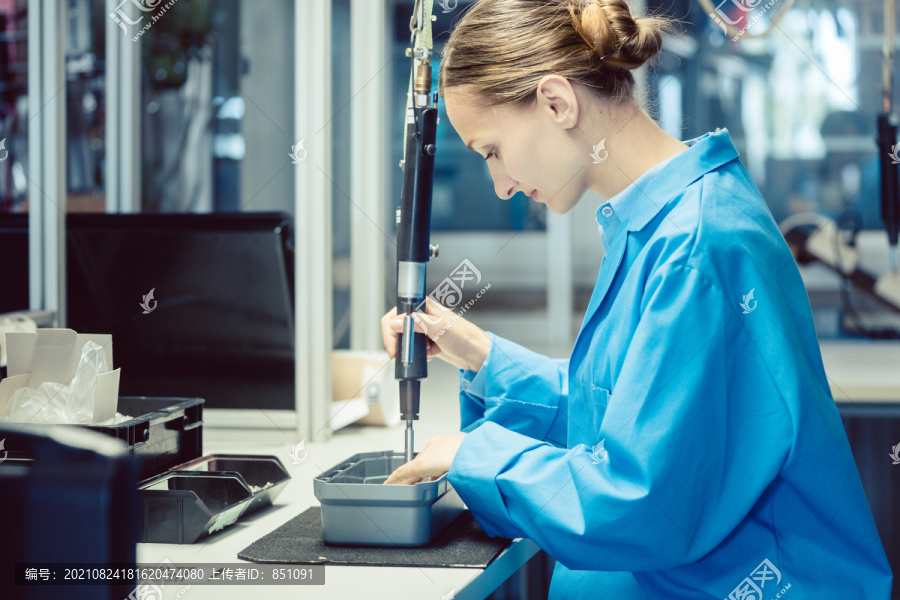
{"points": [[690, 447]]}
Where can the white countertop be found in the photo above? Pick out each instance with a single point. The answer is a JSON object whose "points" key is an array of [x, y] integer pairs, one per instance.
{"points": [[863, 371]]}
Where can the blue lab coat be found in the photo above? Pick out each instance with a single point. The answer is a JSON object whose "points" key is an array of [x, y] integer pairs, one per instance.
{"points": [[724, 470]]}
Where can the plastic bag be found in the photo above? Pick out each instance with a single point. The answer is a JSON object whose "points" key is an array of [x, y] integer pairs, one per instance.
{"points": [[54, 402]]}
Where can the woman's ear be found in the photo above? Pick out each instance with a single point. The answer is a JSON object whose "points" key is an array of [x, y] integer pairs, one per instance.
{"points": [[556, 95]]}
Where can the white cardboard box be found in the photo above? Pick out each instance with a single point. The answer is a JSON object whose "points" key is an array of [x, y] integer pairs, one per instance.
{"points": [[53, 355]]}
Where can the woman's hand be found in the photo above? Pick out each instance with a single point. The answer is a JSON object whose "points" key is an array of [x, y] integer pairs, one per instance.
{"points": [[450, 337], [433, 461]]}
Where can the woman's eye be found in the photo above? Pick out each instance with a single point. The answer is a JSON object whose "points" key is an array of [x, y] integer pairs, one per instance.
{"points": [[489, 155]]}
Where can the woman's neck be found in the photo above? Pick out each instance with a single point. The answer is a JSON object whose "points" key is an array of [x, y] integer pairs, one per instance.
{"points": [[635, 144]]}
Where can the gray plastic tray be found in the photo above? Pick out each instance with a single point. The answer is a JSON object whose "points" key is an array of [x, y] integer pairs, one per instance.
{"points": [[358, 510]]}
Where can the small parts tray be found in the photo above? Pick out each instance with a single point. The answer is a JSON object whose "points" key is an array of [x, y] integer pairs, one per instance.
{"points": [[181, 508], [265, 476], [197, 498], [358, 510]]}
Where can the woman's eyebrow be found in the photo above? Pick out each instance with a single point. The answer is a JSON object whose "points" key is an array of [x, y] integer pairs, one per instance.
{"points": [[469, 145]]}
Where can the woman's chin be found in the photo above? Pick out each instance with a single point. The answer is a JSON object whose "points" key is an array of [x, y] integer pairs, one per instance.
{"points": [[556, 208]]}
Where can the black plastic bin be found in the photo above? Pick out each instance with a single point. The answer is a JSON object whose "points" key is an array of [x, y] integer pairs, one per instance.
{"points": [[183, 496], [265, 476], [183, 507], [205, 495], [163, 432]]}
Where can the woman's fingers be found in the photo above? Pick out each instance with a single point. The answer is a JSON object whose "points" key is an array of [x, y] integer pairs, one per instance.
{"points": [[403, 474], [423, 325], [387, 333], [430, 325], [433, 461], [412, 472], [395, 324]]}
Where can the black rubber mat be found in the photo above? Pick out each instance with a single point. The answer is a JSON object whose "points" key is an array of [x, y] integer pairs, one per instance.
{"points": [[299, 541]]}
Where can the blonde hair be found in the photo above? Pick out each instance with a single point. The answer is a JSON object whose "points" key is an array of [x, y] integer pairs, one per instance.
{"points": [[500, 49]]}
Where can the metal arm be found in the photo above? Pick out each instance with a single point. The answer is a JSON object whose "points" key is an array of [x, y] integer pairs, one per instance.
{"points": [[414, 220]]}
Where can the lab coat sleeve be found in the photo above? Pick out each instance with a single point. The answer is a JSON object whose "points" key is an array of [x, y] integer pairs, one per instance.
{"points": [[518, 389], [695, 431]]}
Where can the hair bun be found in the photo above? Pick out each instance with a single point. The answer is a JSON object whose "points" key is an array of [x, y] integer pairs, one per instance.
{"points": [[619, 39]]}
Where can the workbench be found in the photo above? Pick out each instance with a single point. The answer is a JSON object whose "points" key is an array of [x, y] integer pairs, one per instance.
{"points": [[858, 371], [439, 416]]}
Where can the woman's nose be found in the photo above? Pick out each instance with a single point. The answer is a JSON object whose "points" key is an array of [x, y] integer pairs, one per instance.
{"points": [[504, 187]]}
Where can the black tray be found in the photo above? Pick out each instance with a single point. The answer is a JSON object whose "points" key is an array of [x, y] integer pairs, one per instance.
{"points": [[265, 475], [195, 499], [183, 507]]}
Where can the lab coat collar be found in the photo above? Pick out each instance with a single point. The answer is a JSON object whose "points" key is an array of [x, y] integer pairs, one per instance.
{"points": [[634, 207], [642, 200]]}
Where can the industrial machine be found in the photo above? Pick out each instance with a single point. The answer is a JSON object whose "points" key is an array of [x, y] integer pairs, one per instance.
{"points": [[413, 218]]}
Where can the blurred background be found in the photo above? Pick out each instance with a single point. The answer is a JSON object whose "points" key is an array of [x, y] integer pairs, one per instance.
{"points": [[215, 119]]}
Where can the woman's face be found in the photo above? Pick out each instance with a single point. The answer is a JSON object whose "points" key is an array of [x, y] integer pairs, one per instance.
{"points": [[539, 150]]}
